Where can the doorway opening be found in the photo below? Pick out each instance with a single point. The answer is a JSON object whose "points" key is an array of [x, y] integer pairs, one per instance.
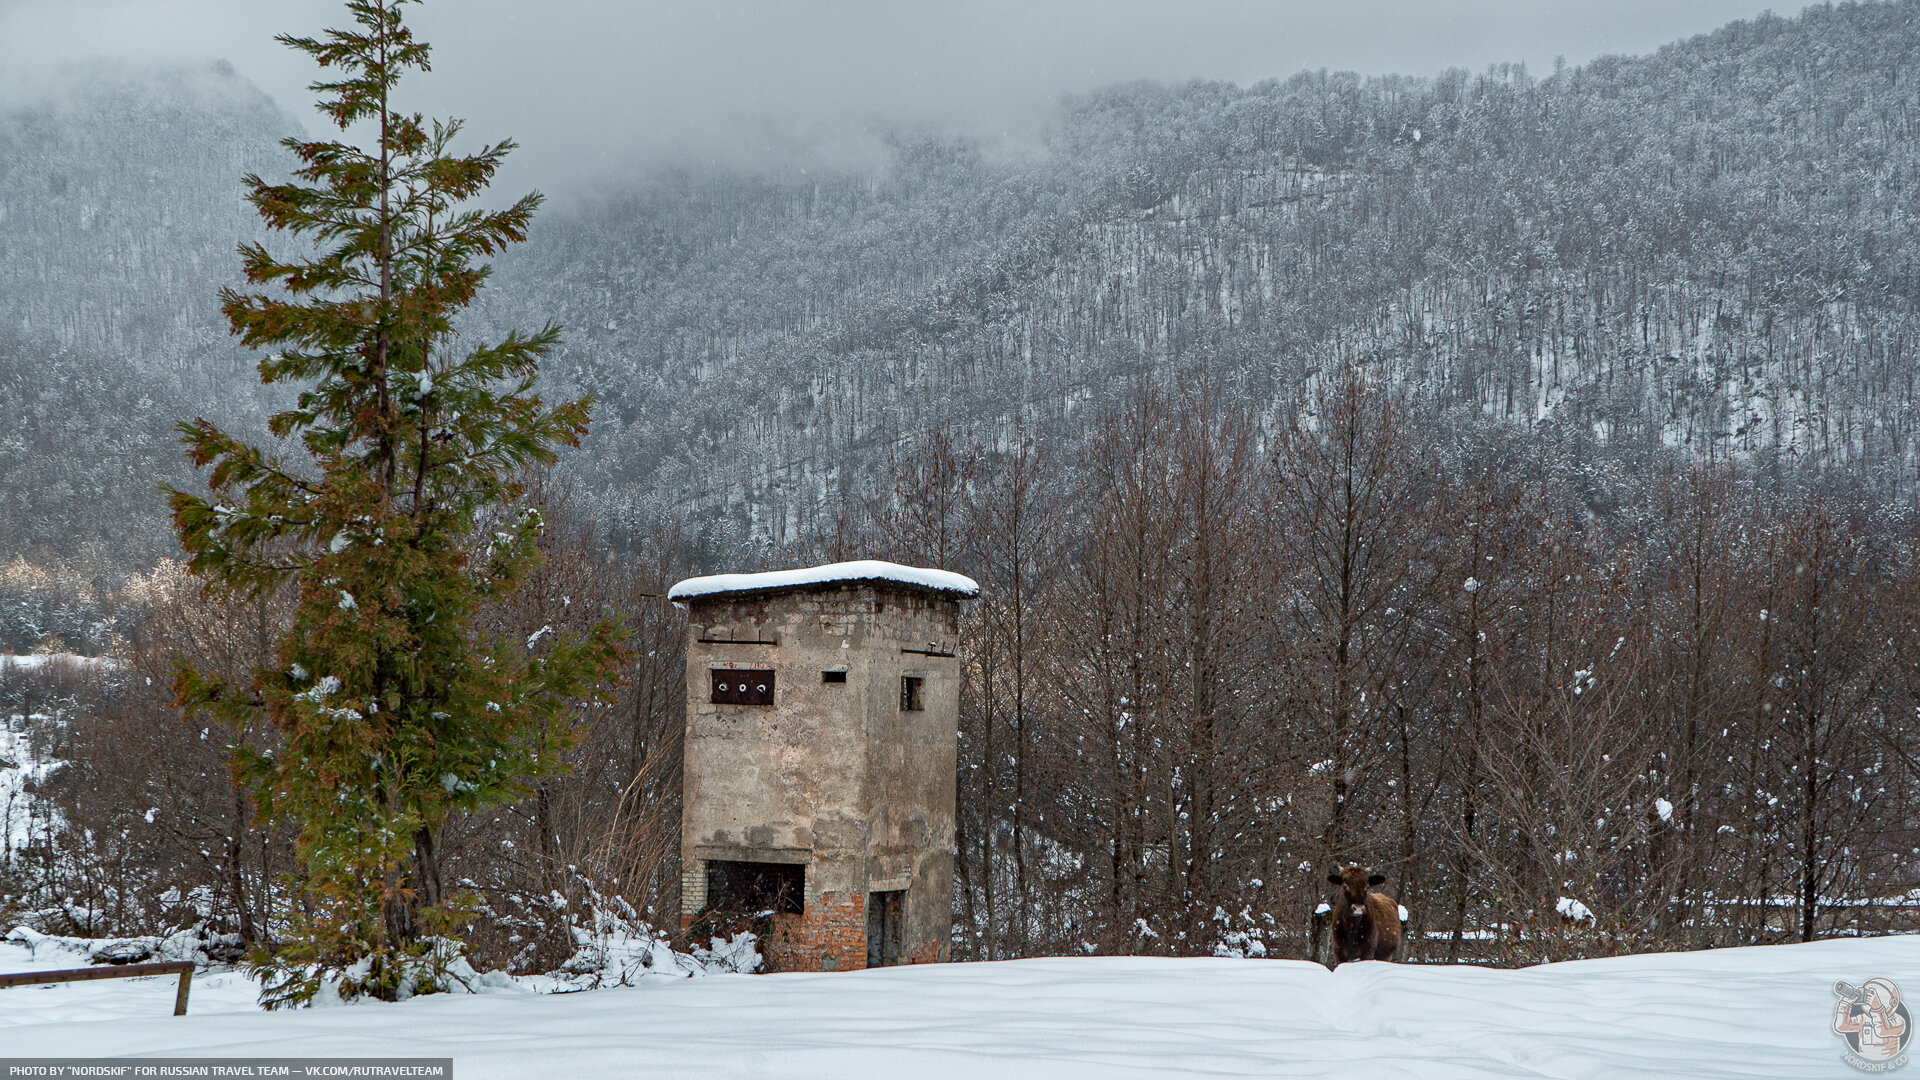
{"points": [[885, 927]]}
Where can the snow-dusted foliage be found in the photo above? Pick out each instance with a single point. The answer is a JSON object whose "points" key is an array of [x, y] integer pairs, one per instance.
{"points": [[1696, 249]]}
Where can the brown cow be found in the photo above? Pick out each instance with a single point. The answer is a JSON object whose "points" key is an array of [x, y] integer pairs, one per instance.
{"points": [[1366, 925]]}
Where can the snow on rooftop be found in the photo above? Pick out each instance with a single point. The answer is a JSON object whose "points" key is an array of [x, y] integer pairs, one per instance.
{"points": [[832, 573]]}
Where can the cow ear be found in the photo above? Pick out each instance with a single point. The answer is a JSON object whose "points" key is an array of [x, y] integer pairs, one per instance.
{"points": [[1377, 879], [1336, 879]]}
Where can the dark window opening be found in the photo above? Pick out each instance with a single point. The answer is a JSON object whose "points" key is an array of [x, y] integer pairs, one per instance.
{"points": [[911, 698], [833, 676], [749, 888], [743, 687], [886, 928]]}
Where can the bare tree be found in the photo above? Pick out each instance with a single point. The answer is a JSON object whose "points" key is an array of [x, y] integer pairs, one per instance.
{"points": [[1349, 496]]}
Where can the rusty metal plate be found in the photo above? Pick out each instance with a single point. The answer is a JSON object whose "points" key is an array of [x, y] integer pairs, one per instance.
{"points": [[743, 687]]}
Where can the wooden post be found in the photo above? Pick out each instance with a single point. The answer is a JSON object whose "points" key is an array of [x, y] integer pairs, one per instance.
{"points": [[180, 995], [182, 968]]}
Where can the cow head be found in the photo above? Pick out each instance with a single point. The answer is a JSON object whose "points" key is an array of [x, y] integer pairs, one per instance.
{"points": [[1354, 882]]}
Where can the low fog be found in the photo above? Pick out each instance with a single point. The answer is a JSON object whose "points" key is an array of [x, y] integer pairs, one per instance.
{"points": [[595, 88]]}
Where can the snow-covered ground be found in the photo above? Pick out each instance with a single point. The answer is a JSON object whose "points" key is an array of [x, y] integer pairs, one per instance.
{"points": [[19, 768], [37, 661], [1762, 1012], [106, 1002]]}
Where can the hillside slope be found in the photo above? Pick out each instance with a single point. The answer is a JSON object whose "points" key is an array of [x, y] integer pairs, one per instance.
{"points": [[1711, 250]]}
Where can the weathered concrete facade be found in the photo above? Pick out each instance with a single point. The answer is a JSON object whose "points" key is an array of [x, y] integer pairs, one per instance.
{"points": [[842, 764]]}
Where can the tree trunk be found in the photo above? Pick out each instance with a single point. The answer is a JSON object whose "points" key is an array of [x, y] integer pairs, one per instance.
{"points": [[427, 889], [236, 882]]}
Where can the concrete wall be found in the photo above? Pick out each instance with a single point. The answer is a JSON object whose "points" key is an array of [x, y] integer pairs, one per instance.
{"points": [[833, 775]]}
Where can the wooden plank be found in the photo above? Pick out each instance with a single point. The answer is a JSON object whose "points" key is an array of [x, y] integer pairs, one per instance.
{"points": [[182, 968]]}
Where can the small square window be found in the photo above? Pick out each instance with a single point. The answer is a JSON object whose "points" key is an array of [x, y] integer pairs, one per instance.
{"points": [[833, 676], [742, 687], [912, 699]]}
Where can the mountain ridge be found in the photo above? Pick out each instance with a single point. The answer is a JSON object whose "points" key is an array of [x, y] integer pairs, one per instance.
{"points": [[1706, 250]]}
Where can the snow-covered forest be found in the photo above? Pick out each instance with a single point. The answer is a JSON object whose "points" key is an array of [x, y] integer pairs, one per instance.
{"points": [[1504, 479]]}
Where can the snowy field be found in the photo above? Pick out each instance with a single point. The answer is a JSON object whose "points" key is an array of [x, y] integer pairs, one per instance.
{"points": [[1734, 1013]]}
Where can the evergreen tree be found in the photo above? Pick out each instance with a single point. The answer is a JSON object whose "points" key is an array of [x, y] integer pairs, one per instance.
{"points": [[395, 526]]}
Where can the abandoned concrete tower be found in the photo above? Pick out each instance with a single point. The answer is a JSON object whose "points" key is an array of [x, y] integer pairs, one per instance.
{"points": [[822, 709]]}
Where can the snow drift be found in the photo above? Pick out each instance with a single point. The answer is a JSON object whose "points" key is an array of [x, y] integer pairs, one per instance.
{"points": [[1756, 1012]]}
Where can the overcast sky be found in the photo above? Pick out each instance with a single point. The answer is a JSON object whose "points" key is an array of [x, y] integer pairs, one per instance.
{"points": [[594, 87]]}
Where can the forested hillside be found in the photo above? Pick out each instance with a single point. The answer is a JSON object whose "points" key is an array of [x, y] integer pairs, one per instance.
{"points": [[120, 208], [1710, 249]]}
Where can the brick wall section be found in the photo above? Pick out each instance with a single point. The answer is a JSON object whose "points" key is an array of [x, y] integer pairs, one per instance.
{"points": [[830, 936], [693, 889]]}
